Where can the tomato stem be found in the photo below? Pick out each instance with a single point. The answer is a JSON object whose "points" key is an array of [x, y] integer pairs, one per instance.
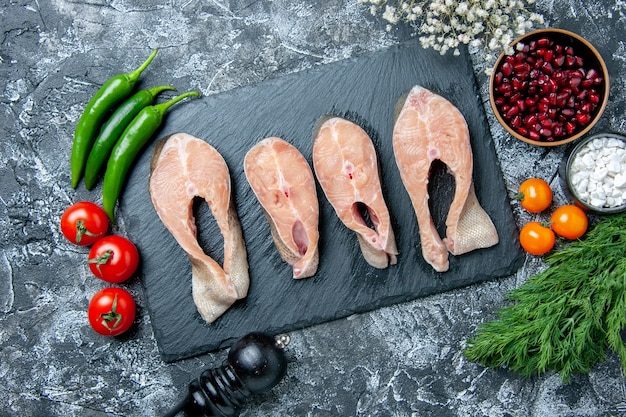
{"points": [[101, 260], [111, 316], [519, 196], [82, 230]]}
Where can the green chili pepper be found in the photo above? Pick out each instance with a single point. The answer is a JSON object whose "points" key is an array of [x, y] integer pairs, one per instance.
{"points": [[128, 147], [113, 128], [114, 91]]}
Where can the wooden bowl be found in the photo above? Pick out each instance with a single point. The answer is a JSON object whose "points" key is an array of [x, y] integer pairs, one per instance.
{"points": [[553, 88]]}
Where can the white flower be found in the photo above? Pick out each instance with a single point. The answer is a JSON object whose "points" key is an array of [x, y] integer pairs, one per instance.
{"points": [[461, 9], [390, 14], [444, 24]]}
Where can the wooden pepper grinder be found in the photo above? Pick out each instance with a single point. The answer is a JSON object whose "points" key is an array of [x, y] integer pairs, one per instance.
{"points": [[255, 364]]}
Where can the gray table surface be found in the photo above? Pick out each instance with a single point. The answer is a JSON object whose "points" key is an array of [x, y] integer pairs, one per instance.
{"points": [[398, 361]]}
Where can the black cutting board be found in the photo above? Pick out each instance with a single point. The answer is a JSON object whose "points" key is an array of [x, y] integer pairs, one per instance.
{"points": [[364, 89]]}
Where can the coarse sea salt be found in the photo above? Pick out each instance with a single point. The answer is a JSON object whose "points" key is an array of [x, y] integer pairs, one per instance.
{"points": [[598, 172]]}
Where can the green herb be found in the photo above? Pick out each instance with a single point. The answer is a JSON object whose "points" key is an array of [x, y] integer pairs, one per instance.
{"points": [[566, 317]]}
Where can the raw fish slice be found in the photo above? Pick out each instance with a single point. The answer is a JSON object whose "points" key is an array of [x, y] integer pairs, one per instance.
{"points": [[429, 127], [283, 182], [346, 166], [184, 167]]}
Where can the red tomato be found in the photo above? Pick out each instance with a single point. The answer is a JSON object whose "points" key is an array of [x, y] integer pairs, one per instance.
{"points": [[536, 238], [111, 311], [534, 195], [84, 223], [113, 259], [569, 221]]}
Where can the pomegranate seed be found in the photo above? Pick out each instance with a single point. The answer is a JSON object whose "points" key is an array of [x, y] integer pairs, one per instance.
{"points": [[543, 107], [559, 60], [569, 50], [561, 98], [522, 131], [552, 113], [585, 107], [557, 130], [513, 111], [530, 101], [516, 121], [586, 83], [534, 135], [571, 101], [570, 127], [574, 82], [521, 68], [507, 69], [531, 120], [591, 74], [583, 118], [547, 68], [548, 55], [598, 80], [546, 132], [552, 97], [570, 60], [594, 98], [567, 112], [504, 88], [543, 42]]}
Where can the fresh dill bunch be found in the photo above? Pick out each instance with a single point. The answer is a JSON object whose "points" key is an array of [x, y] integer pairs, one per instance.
{"points": [[567, 317]]}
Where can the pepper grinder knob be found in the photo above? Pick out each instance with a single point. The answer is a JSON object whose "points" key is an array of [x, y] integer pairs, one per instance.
{"points": [[255, 364]]}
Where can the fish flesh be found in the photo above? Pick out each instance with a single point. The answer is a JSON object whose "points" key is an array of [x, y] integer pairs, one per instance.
{"points": [[184, 167], [346, 166], [283, 182], [427, 128]]}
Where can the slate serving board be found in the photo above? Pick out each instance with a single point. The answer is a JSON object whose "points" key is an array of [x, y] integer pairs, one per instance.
{"points": [[364, 89]]}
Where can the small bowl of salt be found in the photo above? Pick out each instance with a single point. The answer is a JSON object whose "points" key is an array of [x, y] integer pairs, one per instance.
{"points": [[595, 173]]}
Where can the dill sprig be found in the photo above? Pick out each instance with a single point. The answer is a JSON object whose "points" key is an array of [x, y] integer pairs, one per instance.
{"points": [[567, 317]]}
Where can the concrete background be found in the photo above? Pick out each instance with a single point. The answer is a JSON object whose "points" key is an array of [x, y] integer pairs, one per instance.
{"points": [[398, 361]]}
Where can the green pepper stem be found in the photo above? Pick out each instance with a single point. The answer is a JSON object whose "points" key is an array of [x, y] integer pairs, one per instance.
{"points": [[162, 108], [156, 90], [134, 75]]}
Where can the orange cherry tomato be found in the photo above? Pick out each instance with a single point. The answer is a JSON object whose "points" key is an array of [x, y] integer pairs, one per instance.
{"points": [[536, 238], [534, 195], [569, 221]]}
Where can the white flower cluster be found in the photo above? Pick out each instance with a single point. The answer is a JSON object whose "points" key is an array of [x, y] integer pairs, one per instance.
{"points": [[446, 24]]}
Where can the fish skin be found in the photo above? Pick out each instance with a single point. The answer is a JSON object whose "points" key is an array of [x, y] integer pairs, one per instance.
{"points": [[429, 127], [184, 167], [346, 166], [283, 182]]}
